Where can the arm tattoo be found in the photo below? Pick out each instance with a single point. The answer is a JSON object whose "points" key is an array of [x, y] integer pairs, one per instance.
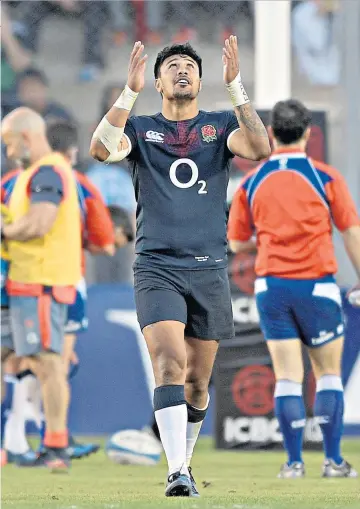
{"points": [[247, 115]]}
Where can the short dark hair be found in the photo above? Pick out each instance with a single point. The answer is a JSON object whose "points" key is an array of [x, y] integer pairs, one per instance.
{"points": [[32, 72], [62, 135], [120, 217], [177, 49], [289, 121]]}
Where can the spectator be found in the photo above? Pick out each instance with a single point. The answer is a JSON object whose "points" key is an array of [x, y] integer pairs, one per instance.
{"points": [[154, 15], [186, 31], [14, 59], [228, 14], [36, 12], [93, 14], [313, 38], [33, 91]]}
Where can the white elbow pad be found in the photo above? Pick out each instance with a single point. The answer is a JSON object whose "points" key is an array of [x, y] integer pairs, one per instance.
{"points": [[110, 136]]}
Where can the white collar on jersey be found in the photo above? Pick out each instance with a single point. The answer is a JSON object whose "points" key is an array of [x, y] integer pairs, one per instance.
{"points": [[290, 155]]}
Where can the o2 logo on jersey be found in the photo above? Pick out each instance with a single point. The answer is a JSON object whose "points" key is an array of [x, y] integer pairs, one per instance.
{"points": [[193, 179]]}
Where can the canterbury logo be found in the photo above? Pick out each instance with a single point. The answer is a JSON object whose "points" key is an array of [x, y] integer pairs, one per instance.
{"points": [[154, 136]]}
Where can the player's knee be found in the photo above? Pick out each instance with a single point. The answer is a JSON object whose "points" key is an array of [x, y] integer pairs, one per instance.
{"points": [[326, 360], [171, 372], [171, 369], [196, 387], [289, 371], [50, 365], [5, 353], [287, 360], [330, 370]]}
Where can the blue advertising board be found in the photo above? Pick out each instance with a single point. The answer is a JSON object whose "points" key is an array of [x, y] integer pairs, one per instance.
{"points": [[113, 388]]}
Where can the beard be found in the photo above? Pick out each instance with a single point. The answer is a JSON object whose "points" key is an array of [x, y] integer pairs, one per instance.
{"points": [[184, 95], [24, 160]]}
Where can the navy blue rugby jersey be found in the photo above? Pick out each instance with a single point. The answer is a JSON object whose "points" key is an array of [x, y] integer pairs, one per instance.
{"points": [[180, 172]]}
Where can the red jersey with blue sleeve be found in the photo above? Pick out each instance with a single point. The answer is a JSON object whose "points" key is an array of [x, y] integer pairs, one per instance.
{"points": [[290, 202], [97, 224]]}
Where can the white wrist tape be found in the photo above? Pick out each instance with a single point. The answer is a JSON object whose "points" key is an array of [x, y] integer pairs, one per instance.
{"points": [[126, 100], [110, 136], [237, 92]]}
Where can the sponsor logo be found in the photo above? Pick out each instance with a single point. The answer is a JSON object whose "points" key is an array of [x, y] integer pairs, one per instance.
{"points": [[202, 258], [252, 390], [262, 430], [243, 430], [208, 133], [283, 163], [154, 136], [32, 338], [323, 336]]}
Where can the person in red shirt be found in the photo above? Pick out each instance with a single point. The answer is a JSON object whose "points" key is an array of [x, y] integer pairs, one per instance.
{"points": [[290, 204]]}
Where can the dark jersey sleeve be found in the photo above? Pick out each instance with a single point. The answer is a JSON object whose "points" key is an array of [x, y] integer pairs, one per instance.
{"points": [[131, 132], [46, 186], [231, 124]]}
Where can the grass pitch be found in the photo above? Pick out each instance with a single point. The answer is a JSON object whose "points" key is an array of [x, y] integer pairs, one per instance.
{"points": [[236, 480]]}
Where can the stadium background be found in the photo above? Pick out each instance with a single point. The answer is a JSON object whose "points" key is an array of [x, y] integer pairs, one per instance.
{"points": [[82, 49]]}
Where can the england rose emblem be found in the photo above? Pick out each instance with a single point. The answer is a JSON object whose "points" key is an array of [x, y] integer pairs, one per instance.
{"points": [[208, 133]]}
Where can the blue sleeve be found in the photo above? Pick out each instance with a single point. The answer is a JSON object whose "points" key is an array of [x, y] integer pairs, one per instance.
{"points": [[46, 186], [131, 132]]}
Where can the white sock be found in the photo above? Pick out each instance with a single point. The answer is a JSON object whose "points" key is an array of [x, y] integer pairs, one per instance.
{"points": [[192, 434], [14, 434], [172, 423], [33, 401]]}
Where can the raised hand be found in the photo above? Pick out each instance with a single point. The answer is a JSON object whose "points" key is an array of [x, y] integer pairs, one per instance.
{"points": [[231, 59], [136, 70]]}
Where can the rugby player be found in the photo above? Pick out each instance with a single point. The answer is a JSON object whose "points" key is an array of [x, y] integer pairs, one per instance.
{"points": [[43, 205], [179, 161], [291, 202]]}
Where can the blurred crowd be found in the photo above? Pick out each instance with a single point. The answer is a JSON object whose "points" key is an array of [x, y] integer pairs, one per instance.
{"points": [[156, 22]]}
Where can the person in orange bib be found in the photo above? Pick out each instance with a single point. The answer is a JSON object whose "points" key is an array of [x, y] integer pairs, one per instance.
{"points": [[290, 203], [46, 223]]}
